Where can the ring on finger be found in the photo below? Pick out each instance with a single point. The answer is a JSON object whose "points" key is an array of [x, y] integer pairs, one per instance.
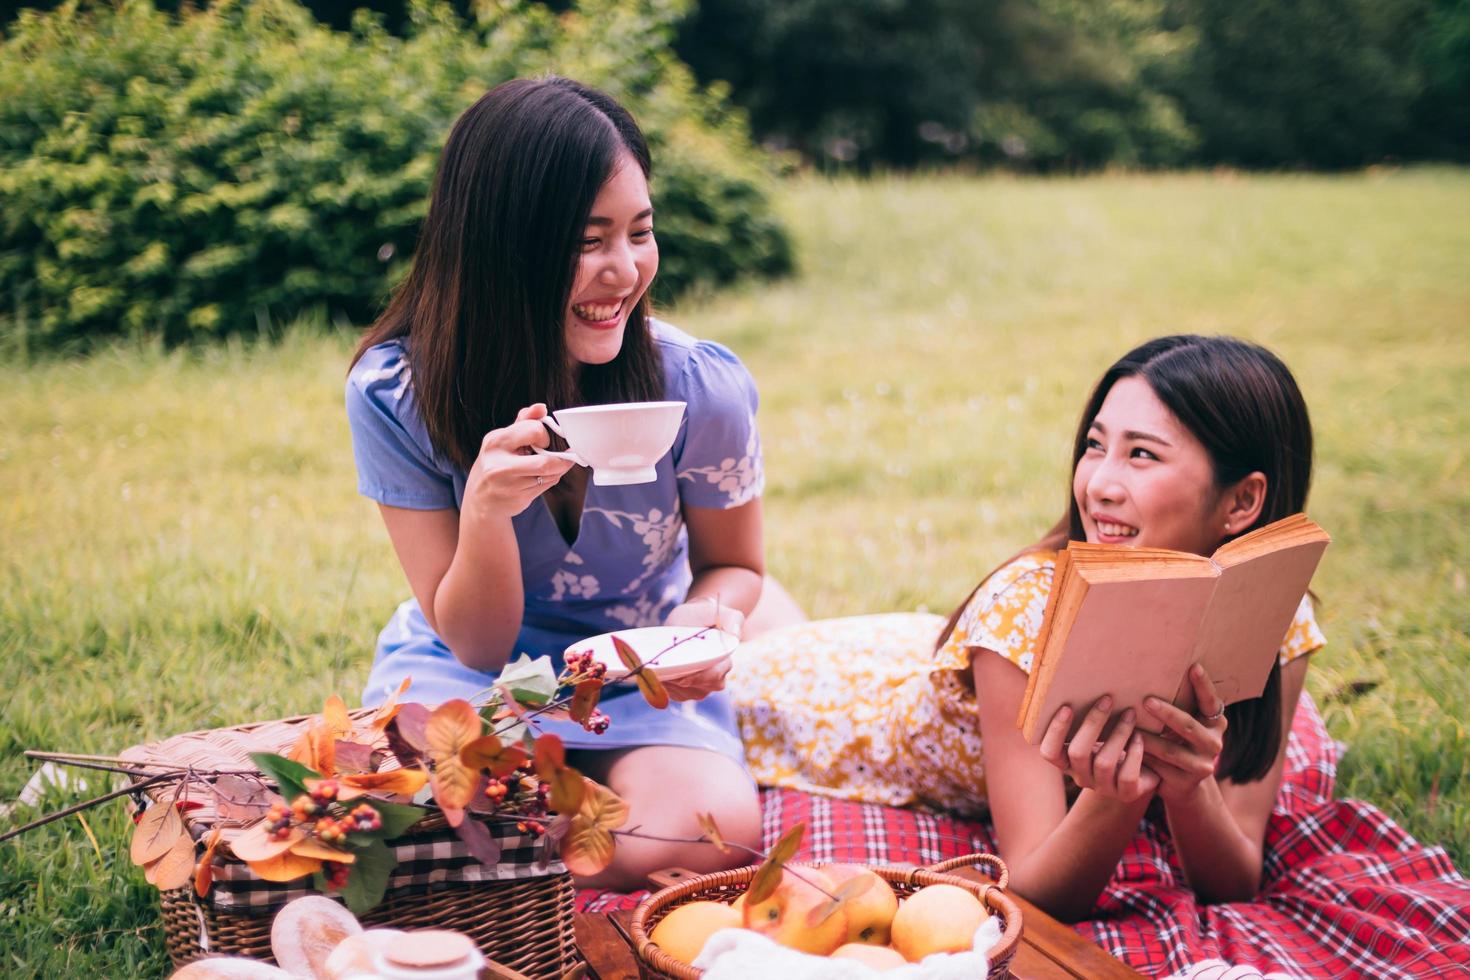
{"points": [[540, 480], [1217, 715]]}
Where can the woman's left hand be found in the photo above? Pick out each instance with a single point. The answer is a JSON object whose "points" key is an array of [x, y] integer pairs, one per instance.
{"points": [[1184, 756], [703, 611]]}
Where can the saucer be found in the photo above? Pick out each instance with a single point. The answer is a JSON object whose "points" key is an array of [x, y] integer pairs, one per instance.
{"points": [[688, 649]]}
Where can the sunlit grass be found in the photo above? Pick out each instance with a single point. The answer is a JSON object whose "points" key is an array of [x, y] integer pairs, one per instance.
{"points": [[182, 545]]}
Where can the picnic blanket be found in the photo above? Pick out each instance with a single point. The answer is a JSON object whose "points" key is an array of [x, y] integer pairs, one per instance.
{"points": [[1346, 891]]}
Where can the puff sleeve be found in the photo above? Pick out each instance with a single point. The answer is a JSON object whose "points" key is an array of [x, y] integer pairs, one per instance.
{"points": [[396, 464], [719, 462]]}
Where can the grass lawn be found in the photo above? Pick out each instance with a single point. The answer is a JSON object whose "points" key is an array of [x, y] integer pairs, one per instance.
{"points": [[182, 546]]}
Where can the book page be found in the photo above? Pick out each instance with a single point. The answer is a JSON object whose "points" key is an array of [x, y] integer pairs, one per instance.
{"points": [[1130, 639], [1248, 618]]}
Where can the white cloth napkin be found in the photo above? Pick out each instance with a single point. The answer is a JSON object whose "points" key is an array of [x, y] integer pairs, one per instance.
{"points": [[739, 954]]}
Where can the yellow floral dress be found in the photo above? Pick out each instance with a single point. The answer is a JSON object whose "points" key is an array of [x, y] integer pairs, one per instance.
{"points": [[865, 708]]}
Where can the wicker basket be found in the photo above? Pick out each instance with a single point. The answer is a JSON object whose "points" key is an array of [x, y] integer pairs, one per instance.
{"points": [[726, 886], [524, 922]]}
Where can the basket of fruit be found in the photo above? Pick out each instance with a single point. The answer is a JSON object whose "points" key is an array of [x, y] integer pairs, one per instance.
{"points": [[883, 915]]}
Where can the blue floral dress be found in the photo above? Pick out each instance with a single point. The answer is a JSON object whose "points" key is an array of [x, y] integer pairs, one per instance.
{"points": [[628, 566]]}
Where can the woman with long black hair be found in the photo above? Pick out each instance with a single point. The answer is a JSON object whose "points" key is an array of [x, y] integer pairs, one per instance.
{"points": [[528, 290]]}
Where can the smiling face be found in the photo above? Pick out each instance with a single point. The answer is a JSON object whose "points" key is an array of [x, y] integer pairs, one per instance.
{"points": [[1145, 480], [619, 259]]}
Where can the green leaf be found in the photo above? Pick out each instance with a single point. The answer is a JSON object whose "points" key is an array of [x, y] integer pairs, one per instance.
{"points": [[397, 818], [368, 879], [530, 681], [290, 776]]}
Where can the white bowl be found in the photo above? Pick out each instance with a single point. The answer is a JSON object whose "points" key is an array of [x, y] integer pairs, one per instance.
{"points": [[670, 651]]}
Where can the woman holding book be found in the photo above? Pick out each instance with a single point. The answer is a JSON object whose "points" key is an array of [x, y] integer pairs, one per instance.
{"points": [[1185, 443], [528, 289]]}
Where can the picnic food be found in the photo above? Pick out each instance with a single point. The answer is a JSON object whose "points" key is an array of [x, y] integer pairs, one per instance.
{"points": [[937, 919], [683, 932], [869, 912], [879, 958], [307, 930], [354, 955], [786, 916]]}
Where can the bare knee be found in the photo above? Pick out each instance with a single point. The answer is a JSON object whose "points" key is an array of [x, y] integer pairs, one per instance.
{"points": [[666, 789]]}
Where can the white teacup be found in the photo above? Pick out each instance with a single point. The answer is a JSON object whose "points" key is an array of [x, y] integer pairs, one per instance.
{"points": [[622, 443]]}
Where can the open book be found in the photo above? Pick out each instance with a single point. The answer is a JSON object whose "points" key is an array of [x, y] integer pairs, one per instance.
{"points": [[1130, 621]]}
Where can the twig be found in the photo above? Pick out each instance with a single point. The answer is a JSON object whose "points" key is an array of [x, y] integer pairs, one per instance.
{"points": [[78, 757], [86, 804], [178, 770]]}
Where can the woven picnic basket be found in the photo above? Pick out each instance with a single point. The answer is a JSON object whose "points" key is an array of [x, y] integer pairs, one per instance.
{"points": [[726, 886], [518, 913]]}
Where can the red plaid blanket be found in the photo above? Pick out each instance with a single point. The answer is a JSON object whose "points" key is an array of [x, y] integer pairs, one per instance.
{"points": [[1346, 892]]}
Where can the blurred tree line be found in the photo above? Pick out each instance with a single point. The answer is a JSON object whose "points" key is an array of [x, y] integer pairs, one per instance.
{"points": [[1048, 84], [1069, 84]]}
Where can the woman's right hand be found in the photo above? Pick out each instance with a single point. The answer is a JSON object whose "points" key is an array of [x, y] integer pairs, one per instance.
{"points": [[508, 474], [1112, 766]]}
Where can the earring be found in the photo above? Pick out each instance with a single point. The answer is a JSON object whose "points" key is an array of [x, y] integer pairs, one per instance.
{"points": [[1227, 527]]}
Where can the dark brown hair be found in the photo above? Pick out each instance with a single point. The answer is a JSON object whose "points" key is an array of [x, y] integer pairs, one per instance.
{"points": [[482, 312], [1243, 405]]}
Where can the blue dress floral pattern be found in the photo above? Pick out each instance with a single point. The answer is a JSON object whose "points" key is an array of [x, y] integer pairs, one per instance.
{"points": [[628, 565]]}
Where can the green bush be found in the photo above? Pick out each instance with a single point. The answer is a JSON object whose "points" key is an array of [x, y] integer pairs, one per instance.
{"points": [[207, 174]]}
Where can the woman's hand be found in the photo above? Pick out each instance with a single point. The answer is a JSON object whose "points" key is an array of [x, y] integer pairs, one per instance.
{"points": [[1112, 766], [703, 611], [508, 474], [1184, 756]]}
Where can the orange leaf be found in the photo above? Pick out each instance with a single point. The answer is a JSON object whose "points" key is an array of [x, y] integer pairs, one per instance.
{"points": [[488, 752], [588, 845], [651, 687], [334, 712], [156, 833], [768, 875], [310, 847], [452, 726], [712, 831], [285, 867], [316, 749], [256, 845], [584, 698], [567, 786], [174, 868], [404, 782], [389, 708], [204, 872]]}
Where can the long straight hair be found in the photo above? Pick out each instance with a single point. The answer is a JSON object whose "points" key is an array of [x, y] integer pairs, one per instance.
{"points": [[1243, 405], [482, 313]]}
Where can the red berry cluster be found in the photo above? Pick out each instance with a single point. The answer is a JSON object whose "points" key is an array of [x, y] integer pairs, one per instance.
{"points": [[365, 819], [533, 827], [336, 874], [312, 810], [583, 667], [597, 722], [278, 821]]}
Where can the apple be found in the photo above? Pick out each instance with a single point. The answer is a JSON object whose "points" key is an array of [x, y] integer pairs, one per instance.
{"points": [[880, 958], [683, 932], [937, 919], [786, 915], [869, 913]]}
